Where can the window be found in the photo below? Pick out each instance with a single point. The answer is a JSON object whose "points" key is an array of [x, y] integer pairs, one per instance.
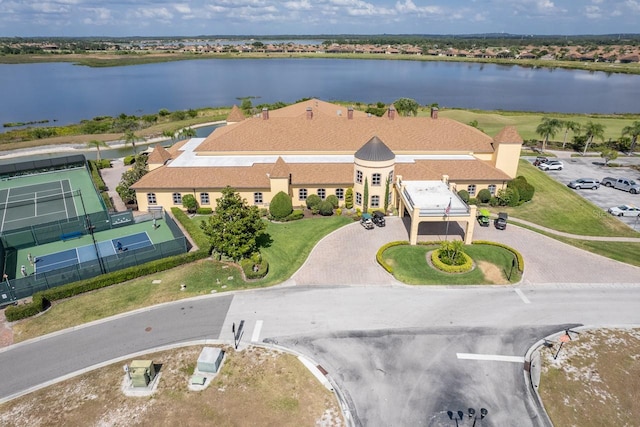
{"points": [[302, 194], [322, 193], [340, 193], [177, 198], [375, 201], [471, 189], [492, 189], [391, 177], [151, 198], [257, 198], [359, 177], [358, 199], [204, 198], [375, 179]]}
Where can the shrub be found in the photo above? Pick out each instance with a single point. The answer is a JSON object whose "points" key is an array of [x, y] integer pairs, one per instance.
{"points": [[263, 212], [190, 203], [467, 265], [338, 212], [525, 190], [333, 199], [295, 215], [348, 198], [494, 201], [484, 195], [204, 211], [464, 195], [313, 201], [472, 201], [37, 305], [281, 205], [508, 197], [129, 160], [325, 208], [379, 254]]}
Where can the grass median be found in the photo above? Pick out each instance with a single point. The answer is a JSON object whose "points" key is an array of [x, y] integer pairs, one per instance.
{"points": [[290, 244]]}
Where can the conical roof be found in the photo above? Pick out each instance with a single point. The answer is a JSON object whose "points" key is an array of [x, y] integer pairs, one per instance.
{"points": [[375, 150], [280, 169], [235, 115]]}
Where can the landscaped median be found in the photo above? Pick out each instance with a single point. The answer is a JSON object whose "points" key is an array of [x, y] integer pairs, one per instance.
{"points": [[495, 263]]}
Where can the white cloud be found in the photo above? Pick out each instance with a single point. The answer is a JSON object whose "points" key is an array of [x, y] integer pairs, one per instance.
{"points": [[182, 8], [97, 16], [158, 13], [634, 5], [409, 7], [298, 5], [593, 12]]}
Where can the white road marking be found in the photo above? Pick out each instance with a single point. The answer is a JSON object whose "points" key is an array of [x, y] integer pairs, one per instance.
{"points": [[256, 331], [522, 296], [491, 357]]}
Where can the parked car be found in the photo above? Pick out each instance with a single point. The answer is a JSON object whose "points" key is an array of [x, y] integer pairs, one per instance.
{"points": [[551, 165], [540, 160], [378, 219], [366, 221], [483, 217], [501, 222], [591, 183], [624, 210], [624, 184]]}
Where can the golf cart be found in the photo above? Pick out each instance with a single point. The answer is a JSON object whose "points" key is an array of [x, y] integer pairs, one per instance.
{"points": [[501, 221], [366, 221], [483, 217], [378, 218]]}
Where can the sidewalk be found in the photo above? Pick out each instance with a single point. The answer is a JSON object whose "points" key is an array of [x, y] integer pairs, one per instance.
{"points": [[111, 177], [574, 236]]}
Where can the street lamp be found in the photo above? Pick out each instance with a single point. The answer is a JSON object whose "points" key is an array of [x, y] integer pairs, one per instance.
{"points": [[472, 414], [459, 416]]}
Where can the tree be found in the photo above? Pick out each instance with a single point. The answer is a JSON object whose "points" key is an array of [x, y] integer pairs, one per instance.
{"points": [[234, 228], [130, 177], [406, 106], [633, 131], [365, 202], [387, 193], [169, 134], [608, 154], [592, 130], [569, 125], [187, 133], [348, 198], [548, 129], [130, 138], [313, 201], [190, 203], [97, 144]]}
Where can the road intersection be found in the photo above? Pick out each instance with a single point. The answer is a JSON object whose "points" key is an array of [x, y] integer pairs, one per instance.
{"points": [[393, 350]]}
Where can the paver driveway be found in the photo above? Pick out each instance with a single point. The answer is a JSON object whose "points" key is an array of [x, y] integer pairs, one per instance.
{"points": [[348, 256]]}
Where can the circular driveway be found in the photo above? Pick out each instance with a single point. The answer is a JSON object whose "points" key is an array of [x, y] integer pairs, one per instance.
{"points": [[348, 257]]}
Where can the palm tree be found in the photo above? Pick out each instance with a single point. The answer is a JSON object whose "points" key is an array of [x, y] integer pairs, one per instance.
{"points": [[131, 138], [633, 130], [548, 129], [572, 126], [97, 144], [591, 131], [187, 133]]}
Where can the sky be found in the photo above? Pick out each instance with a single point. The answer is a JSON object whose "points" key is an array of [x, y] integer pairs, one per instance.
{"points": [[115, 18]]}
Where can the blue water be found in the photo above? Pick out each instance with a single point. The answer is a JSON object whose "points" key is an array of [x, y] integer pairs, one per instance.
{"points": [[69, 93]]}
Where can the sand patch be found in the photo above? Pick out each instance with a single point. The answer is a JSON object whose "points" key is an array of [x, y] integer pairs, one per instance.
{"points": [[492, 273]]}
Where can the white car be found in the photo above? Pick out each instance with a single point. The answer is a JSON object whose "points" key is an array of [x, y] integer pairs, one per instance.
{"points": [[551, 165], [624, 210]]}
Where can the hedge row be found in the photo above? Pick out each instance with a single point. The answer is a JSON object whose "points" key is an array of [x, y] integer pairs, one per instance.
{"points": [[517, 254], [41, 300], [247, 266], [383, 248], [96, 177], [192, 228], [463, 268], [204, 211]]}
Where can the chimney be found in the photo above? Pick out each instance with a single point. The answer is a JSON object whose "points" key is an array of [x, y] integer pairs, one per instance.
{"points": [[265, 113], [350, 113], [309, 113], [392, 113], [434, 112]]}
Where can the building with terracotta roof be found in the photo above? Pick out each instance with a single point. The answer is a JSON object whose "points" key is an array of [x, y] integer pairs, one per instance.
{"points": [[413, 164]]}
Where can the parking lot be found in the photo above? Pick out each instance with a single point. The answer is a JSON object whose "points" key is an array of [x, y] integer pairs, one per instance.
{"points": [[603, 197]]}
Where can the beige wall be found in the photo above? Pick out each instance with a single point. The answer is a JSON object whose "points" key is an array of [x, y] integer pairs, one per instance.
{"points": [[165, 198], [506, 157], [313, 189], [369, 168]]}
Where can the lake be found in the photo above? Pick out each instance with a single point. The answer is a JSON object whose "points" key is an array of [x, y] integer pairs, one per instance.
{"points": [[69, 93]]}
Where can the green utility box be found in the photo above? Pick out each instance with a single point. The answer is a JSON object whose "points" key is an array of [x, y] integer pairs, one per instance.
{"points": [[210, 359], [142, 372]]}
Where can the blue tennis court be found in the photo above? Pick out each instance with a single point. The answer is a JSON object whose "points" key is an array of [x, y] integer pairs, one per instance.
{"points": [[71, 257]]}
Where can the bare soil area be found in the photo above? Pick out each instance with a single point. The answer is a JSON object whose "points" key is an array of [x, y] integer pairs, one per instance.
{"points": [[492, 273], [595, 379], [254, 387]]}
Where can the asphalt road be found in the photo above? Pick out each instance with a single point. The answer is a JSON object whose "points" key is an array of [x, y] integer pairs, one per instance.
{"points": [[393, 349]]}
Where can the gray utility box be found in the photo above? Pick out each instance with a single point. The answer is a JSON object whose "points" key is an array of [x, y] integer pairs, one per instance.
{"points": [[210, 359], [142, 372]]}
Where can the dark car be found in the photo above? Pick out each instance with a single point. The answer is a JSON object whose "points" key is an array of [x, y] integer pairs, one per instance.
{"points": [[540, 160], [378, 219], [501, 222]]}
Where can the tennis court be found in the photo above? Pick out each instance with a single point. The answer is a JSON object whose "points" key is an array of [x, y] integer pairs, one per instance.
{"points": [[37, 203], [103, 249]]}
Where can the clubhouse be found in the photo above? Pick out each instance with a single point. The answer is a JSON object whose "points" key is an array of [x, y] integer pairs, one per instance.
{"points": [[316, 147]]}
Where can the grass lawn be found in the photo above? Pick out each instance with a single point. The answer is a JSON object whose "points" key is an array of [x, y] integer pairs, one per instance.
{"points": [[492, 122], [556, 206], [594, 380], [410, 266], [253, 387], [290, 244]]}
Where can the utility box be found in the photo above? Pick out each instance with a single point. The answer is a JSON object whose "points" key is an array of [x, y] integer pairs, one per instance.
{"points": [[141, 372], [210, 359]]}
